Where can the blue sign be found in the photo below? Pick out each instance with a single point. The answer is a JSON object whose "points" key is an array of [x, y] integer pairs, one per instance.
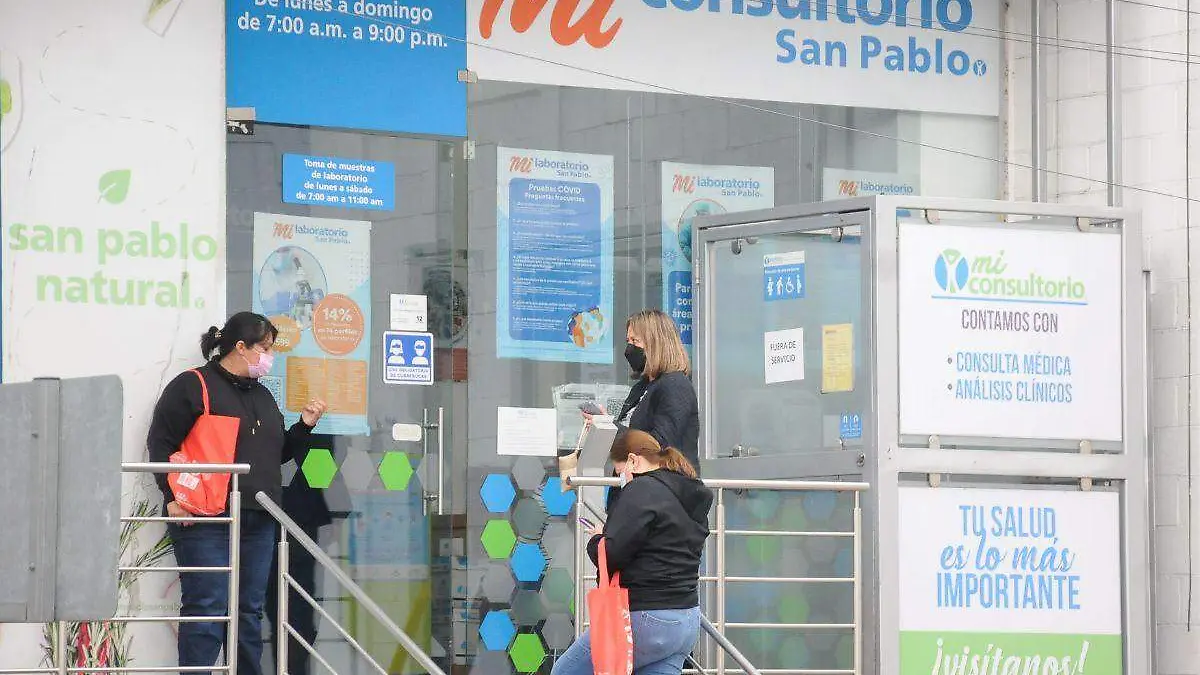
{"points": [[380, 66], [679, 303], [339, 183], [783, 276], [850, 426], [407, 358]]}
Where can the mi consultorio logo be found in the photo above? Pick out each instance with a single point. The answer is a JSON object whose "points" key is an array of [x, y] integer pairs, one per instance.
{"points": [[987, 277]]}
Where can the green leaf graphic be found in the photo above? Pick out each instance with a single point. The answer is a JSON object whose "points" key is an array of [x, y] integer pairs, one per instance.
{"points": [[155, 6], [114, 186], [5, 98]]}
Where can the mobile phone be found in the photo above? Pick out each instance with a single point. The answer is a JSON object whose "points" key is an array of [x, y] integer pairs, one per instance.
{"points": [[587, 523], [591, 408]]}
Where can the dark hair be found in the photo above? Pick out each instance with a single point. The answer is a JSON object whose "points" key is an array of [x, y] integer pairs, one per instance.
{"points": [[634, 442], [246, 327]]}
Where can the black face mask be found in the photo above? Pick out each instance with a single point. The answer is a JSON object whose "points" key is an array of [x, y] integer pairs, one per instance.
{"points": [[636, 356]]}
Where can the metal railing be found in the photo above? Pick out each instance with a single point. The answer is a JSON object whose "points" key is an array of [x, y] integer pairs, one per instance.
{"points": [[721, 580], [59, 649], [289, 529]]}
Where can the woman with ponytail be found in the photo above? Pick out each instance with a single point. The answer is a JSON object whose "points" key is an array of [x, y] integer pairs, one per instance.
{"points": [[236, 356], [654, 537]]}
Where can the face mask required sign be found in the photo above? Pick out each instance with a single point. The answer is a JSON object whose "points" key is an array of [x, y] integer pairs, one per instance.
{"points": [[923, 55], [1009, 582], [692, 190], [312, 279], [1010, 333]]}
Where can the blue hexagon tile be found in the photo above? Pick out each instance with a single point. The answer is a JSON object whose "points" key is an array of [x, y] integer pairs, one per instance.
{"points": [[528, 563], [497, 493], [558, 503], [497, 631]]}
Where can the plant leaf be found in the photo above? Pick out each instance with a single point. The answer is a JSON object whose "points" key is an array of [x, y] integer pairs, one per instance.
{"points": [[5, 98], [114, 185]]}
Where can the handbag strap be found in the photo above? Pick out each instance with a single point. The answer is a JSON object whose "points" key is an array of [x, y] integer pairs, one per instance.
{"points": [[203, 388], [602, 563]]}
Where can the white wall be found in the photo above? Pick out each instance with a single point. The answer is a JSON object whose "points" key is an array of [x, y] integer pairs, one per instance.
{"points": [[100, 89], [1153, 93]]}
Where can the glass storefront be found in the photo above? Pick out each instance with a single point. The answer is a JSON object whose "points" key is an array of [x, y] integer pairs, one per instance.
{"points": [[470, 550]]}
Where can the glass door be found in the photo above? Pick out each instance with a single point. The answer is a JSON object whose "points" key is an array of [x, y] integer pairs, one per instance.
{"points": [[348, 241]]}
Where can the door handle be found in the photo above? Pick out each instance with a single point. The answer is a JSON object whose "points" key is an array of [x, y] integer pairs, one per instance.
{"points": [[434, 496]]}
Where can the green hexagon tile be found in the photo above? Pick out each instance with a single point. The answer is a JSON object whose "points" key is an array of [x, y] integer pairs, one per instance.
{"points": [[395, 470], [319, 469]]}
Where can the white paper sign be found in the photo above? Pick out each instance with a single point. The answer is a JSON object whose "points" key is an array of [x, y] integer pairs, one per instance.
{"points": [[526, 431], [410, 313], [783, 355], [1016, 574], [1010, 333]]}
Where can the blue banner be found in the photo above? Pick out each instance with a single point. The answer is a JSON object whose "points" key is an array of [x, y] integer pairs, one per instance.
{"points": [[555, 256], [339, 183], [380, 66], [783, 276]]}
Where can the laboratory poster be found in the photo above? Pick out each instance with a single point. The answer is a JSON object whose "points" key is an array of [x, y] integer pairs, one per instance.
{"points": [[554, 235], [1010, 333], [312, 279], [1009, 581], [691, 190]]}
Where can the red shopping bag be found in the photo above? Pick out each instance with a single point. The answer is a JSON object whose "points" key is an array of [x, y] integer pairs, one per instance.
{"points": [[212, 440], [611, 632]]}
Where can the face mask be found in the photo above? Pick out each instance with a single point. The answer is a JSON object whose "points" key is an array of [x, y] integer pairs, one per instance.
{"points": [[636, 356], [263, 367]]}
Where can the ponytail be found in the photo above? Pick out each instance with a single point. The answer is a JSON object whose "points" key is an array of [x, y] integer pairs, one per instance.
{"points": [[634, 442], [673, 460]]}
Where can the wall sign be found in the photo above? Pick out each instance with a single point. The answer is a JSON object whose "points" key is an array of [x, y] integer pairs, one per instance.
{"points": [[383, 66], [554, 235], [936, 56], [783, 276], [783, 355], [843, 183], [1010, 333], [407, 358], [691, 190], [339, 183], [1009, 581]]}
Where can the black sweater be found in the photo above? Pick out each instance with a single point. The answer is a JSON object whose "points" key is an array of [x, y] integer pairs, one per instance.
{"points": [[262, 441], [654, 537], [667, 409]]}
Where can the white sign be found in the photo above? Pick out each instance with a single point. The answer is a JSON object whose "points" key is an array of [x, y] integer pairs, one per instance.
{"points": [[526, 431], [410, 313], [934, 56], [1010, 333], [407, 358], [1010, 576], [843, 183], [783, 355]]}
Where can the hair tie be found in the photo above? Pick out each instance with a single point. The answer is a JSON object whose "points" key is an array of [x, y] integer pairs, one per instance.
{"points": [[219, 334], [664, 451]]}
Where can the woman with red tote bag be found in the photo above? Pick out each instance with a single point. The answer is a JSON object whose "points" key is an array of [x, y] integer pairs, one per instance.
{"points": [[651, 544]]}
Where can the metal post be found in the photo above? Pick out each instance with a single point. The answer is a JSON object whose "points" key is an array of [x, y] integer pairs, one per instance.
{"points": [[1037, 151], [283, 564], [1114, 112], [858, 596], [580, 584], [721, 574], [60, 656], [235, 564]]}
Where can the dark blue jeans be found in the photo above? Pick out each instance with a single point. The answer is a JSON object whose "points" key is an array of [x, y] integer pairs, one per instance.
{"points": [[207, 593]]}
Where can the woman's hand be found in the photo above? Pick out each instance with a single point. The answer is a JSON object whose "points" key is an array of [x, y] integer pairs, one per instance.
{"points": [[313, 412], [174, 510], [595, 531]]}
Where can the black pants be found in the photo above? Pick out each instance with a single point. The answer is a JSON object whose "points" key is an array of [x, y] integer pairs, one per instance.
{"points": [[301, 615]]}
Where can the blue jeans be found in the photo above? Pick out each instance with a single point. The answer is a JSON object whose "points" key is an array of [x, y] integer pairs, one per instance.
{"points": [[207, 593], [662, 639]]}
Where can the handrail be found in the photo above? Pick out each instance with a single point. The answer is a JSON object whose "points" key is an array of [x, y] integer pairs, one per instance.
{"points": [[739, 484], [296, 532]]}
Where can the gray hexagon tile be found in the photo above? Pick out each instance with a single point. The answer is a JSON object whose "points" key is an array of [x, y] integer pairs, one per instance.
{"points": [[491, 663], [498, 583], [529, 472], [559, 542], [530, 519], [528, 608], [559, 632], [289, 471], [358, 470]]}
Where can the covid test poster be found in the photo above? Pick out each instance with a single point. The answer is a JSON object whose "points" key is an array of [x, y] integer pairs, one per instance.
{"points": [[692, 190], [312, 279], [554, 232]]}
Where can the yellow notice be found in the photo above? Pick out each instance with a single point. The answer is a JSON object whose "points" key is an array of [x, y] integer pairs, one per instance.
{"points": [[837, 358]]}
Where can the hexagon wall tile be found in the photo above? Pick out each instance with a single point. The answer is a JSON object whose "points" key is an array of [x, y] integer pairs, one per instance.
{"points": [[498, 539], [528, 608], [358, 470], [527, 653], [395, 470], [319, 468], [497, 493], [498, 583], [820, 506], [528, 563], [558, 588], [530, 519], [559, 632], [559, 542], [492, 663], [497, 631], [558, 503], [529, 472]]}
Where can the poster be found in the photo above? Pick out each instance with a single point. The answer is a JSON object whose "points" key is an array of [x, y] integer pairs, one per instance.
{"points": [[554, 233], [783, 355], [526, 432], [691, 190], [312, 279], [837, 358], [278, 50], [1010, 333], [1009, 581], [939, 57]]}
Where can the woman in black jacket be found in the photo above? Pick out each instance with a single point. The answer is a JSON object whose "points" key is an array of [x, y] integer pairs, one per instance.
{"points": [[654, 537], [238, 355]]}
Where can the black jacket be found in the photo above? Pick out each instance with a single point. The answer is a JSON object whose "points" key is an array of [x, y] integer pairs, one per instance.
{"points": [[667, 409], [654, 537], [262, 441]]}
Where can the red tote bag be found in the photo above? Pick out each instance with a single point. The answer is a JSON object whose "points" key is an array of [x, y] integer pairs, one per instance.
{"points": [[611, 632], [212, 440]]}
